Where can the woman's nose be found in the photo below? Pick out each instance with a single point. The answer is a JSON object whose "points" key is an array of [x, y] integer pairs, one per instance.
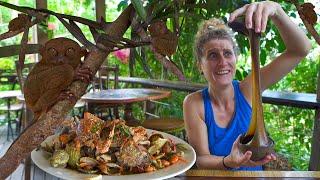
{"points": [[222, 60]]}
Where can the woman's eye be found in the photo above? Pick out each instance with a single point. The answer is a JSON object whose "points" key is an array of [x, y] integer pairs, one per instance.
{"points": [[70, 52], [212, 56], [52, 52], [227, 53]]}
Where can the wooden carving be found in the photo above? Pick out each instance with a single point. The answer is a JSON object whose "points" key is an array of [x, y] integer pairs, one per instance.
{"points": [[255, 139], [53, 74], [19, 22], [307, 10], [163, 40]]}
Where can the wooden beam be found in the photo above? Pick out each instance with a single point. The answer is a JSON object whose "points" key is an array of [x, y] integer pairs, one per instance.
{"points": [[42, 36], [13, 50], [300, 100], [314, 163], [100, 9]]}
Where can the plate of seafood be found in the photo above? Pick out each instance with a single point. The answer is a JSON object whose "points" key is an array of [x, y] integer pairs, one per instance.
{"points": [[91, 148]]}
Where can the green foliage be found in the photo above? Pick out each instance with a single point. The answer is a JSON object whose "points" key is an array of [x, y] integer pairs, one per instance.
{"points": [[138, 6], [7, 64]]}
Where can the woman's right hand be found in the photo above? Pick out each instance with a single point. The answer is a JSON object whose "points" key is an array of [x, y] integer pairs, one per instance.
{"points": [[236, 158]]}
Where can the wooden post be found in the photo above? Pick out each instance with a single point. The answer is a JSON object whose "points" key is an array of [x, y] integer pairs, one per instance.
{"points": [[100, 9], [101, 12], [314, 163], [42, 36]]}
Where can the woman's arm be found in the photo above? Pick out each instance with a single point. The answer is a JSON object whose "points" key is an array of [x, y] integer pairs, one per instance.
{"points": [[296, 42], [197, 132]]}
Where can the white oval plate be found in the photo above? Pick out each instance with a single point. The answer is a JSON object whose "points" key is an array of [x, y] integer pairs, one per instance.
{"points": [[168, 172]]}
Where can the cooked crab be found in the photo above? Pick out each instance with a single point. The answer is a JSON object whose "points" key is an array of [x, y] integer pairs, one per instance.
{"points": [[133, 155]]}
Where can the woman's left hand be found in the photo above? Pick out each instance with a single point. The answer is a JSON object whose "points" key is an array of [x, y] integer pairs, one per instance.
{"points": [[257, 14]]}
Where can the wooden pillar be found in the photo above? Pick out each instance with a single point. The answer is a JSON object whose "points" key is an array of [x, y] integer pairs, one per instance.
{"points": [[314, 163], [100, 9], [42, 36], [101, 12]]}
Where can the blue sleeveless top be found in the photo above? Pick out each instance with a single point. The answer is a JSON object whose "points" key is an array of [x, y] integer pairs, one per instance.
{"points": [[221, 139]]}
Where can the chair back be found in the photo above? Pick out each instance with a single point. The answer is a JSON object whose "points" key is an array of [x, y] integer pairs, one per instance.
{"points": [[102, 80], [9, 79], [25, 71]]}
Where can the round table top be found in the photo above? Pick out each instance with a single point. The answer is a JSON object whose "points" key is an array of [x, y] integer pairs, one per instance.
{"points": [[21, 97], [10, 94], [123, 96]]}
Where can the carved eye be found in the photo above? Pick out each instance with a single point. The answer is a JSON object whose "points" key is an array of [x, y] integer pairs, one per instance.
{"points": [[52, 52], [70, 52]]}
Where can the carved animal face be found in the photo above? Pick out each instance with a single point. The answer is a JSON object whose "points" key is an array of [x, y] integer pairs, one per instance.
{"points": [[158, 28], [62, 51]]}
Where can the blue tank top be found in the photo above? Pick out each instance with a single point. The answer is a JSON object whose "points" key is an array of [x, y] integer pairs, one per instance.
{"points": [[221, 139]]}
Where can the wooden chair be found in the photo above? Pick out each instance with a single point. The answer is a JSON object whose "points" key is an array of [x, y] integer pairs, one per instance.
{"points": [[25, 71], [11, 106], [21, 79], [172, 125], [102, 81]]}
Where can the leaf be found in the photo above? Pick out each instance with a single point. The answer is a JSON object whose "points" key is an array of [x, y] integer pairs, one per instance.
{"points": [[138, 6], [157, 9], [122, 5], [212, 6], [263, 57], [143, 62], [238, 75]]}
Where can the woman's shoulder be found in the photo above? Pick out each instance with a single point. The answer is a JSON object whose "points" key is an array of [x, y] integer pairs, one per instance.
{"points": [[193, 106], [194, 97]]}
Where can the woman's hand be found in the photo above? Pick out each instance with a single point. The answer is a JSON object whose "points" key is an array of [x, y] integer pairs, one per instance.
{"points": [[237, 158], [257, 14]]}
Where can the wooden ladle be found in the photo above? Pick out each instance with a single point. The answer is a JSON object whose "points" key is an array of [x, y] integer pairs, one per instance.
{"points": [[255, 139]]}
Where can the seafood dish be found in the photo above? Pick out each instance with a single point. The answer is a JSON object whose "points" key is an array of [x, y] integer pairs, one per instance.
{"points": [[94, 146]]}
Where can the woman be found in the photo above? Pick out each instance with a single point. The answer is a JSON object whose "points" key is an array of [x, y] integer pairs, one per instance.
{"points": [[217, 115]]}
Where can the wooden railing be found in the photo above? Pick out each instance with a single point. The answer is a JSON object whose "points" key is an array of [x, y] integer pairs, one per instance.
{"points": [[299, 100]]}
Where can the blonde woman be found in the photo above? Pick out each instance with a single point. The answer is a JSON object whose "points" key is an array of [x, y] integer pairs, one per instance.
{"points": [[217, 115]]}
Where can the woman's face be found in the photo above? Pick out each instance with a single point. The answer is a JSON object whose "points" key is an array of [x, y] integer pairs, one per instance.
{"points": [[218, 62]]}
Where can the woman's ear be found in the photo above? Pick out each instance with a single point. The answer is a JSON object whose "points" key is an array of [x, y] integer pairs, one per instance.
{"points": [[199, 66]]}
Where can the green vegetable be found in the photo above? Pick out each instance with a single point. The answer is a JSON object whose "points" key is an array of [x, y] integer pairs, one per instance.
{"points": [[59, 158], [74, 155]]}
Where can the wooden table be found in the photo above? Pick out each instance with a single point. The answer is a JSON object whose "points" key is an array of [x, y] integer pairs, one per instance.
{"points": [[197, 174], [125, 97], [216, 174], [10, 94]]}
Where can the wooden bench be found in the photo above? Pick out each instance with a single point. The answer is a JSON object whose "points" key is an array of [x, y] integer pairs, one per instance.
{"points": [[165, 124]]}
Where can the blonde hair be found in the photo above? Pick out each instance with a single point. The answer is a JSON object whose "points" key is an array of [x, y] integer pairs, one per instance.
{"points": [[212, 29]]}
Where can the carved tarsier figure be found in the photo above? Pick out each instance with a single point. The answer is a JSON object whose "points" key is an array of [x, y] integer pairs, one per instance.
{"points": [[48, 80], [19, 22], [163, 40], [307, 10]]}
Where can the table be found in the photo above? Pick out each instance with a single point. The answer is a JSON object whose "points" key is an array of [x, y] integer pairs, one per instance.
{"points": [[216, 174], [195, 174], [7, 95], [10, 94], [125, 97]]}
